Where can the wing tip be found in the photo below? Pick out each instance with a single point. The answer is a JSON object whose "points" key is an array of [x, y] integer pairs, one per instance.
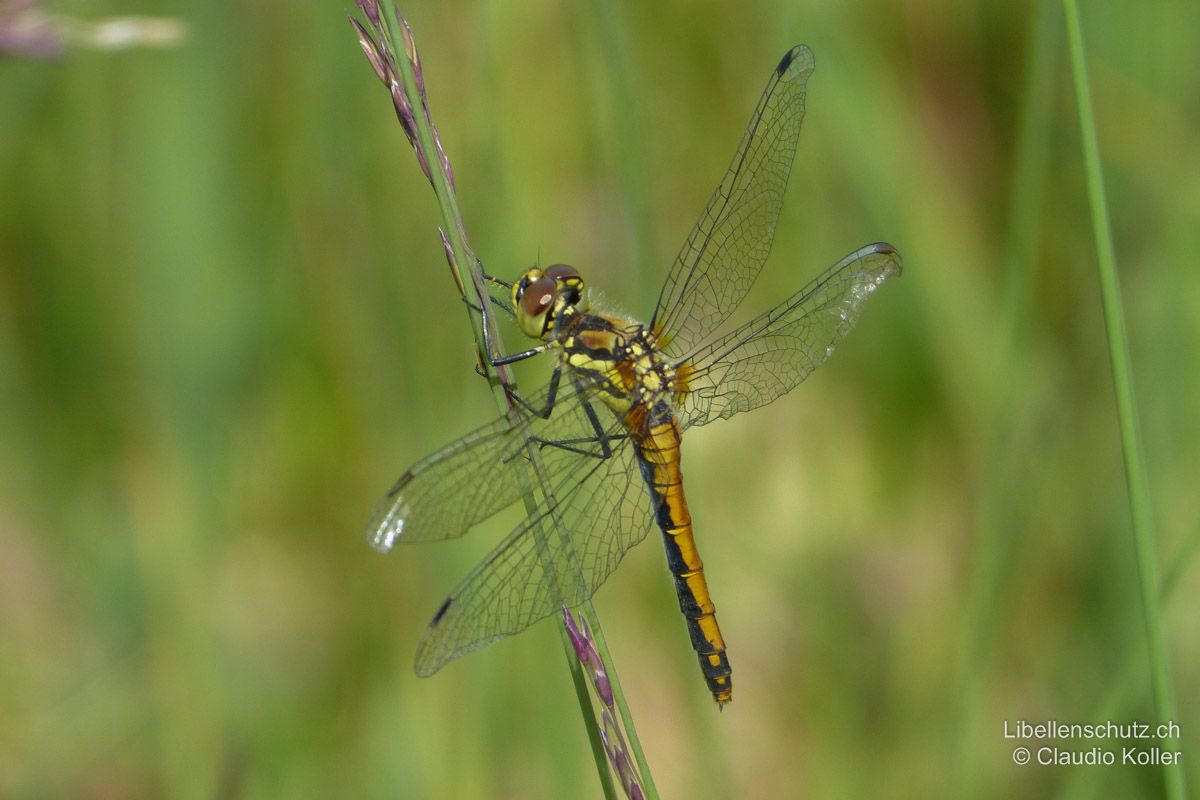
{"points": [[895, 264], [798, 54], [388, 523]]}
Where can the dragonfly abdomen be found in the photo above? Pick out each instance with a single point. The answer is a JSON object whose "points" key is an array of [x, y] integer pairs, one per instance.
{"points": [[658, 457]]}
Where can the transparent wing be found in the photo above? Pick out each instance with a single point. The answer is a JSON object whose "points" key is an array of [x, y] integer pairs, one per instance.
{"points": [[729, 244], [558, 556], [446, 493], [770, 355]]}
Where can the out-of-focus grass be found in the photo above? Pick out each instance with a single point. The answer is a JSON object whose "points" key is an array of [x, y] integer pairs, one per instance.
{"points": [[1145, 537], [226, 325]]}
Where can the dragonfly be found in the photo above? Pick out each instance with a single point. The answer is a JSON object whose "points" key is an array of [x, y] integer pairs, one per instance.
{"points": [[595, 453]]}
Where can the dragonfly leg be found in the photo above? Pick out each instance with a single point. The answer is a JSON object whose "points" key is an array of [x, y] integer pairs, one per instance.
{"points": [[608, 437], [499, 361], [489, 346], [495, 280], [497, 302], [602, 438], [551, 395]]}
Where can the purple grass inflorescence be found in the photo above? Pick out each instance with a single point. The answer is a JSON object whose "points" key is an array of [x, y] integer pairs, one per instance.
{"points": [[610, 728]]}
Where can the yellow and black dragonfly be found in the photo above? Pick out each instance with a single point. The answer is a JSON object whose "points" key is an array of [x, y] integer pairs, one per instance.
{"points": [[598, 448]]}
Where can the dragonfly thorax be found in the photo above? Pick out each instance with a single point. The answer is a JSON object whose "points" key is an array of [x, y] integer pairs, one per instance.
{"points": [[540, 297], [622, 357]]}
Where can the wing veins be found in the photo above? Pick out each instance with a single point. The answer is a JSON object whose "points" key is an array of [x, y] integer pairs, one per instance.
{"points": [[729, 244], [490, 603]]}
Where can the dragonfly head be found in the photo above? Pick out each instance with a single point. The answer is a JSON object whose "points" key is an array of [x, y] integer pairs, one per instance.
{"points": [[542, 296]]}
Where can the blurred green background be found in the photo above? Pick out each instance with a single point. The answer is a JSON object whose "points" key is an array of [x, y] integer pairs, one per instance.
{"points": [[226, 326]]}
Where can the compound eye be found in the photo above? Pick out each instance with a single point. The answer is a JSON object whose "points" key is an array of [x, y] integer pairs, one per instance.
{"points": [[539, 295], [562, 272]]}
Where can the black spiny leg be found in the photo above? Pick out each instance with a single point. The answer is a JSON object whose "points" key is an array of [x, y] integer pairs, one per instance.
{"points": [[493, 359], [500, 361], [494, 279], [489, 347], [551, 395], [602, 438], [507, 309], [496, 301]]}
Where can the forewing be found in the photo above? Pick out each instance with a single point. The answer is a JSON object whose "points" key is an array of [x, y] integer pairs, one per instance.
{"points": [[444, 494], [729, 244], [557, 557], [771, 354]]}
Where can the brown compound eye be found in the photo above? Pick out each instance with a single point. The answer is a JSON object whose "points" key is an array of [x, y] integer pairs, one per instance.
{"points": [[561, 272], [539, 295]]}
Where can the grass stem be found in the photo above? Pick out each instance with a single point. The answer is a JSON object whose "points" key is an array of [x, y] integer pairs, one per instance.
{"points": [[1131, 447]]}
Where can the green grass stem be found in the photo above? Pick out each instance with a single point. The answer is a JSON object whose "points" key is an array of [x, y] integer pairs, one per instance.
{"points": [[1131, 447], [1115, 701]]}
